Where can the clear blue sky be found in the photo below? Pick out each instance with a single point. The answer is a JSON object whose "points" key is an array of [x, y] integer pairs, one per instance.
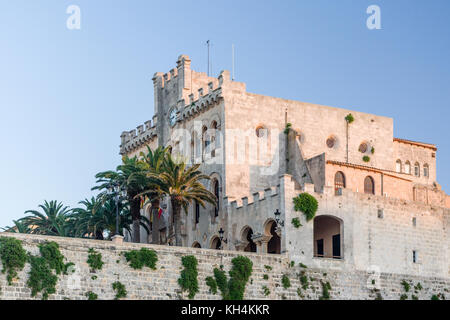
{"points": [[65, 96]]}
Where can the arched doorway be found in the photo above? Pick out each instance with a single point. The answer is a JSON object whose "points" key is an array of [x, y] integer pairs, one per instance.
{"points": [[274, 244], [247, 237], [328, 237], [216, 243], [196, 245]]}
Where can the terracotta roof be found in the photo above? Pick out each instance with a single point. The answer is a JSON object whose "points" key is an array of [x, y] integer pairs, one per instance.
{"points": [[367, 168], [416, 143]]}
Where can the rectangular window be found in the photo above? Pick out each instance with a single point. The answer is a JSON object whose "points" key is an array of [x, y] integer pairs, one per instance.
{"points": [[320, 248], [414, 221], [414, 256], [197, 213], [337, 246]]}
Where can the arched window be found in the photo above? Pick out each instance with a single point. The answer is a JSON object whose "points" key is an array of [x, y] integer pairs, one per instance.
{"points": [[398, 166], [216, 193], [193, 147], [417, 169], [339, 181], [407, 167], [261, 132], [196, 245], [426, 170], [369, 185], [214, 144], [363, 147], [274, 244], [205, 139], [247, 237], [331, 142]]}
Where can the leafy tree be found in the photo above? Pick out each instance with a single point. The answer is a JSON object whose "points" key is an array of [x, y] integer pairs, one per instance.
{"points": [[131, 177], [53, 221], [182, 185]]}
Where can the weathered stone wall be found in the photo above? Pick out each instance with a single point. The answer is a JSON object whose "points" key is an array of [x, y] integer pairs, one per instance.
{"points": [[162, 283]]}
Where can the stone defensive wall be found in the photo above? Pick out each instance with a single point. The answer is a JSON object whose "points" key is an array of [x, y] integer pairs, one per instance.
{"points": [[162, 283]]}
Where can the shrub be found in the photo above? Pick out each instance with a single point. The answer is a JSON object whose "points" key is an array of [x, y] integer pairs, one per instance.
{"points": [[188, 278], [372, 150], [287, 128], [366, 159], [91, 295], [302, 265], [140, 258], [266, 290], [121, 292], [296, 223], [95, 260], [13, 257], [285, 281], [307, 204], [266, 277], [403, 297]]}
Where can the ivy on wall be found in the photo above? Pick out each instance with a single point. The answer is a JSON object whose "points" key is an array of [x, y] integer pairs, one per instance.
{"points": [[120, 290], [140, 258], [94, 260], [188, 278], [45, 269], [307, 204], [233, 288], [13, 257]]}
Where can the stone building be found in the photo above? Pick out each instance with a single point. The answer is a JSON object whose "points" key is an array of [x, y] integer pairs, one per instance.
{"points": [[380, 206]]}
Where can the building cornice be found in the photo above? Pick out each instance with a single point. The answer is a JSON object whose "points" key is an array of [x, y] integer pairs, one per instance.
{"points": [[416, 143]]}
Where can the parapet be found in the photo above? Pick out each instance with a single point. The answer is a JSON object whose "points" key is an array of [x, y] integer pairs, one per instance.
{"points": [[131, 140]]}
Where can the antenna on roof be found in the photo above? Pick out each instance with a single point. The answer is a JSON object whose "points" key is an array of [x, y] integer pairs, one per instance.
{"points": [[232, 62], [208, 45]]}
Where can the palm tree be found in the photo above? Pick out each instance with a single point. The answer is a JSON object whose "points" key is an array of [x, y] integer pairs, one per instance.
{"points": [[182, 185], [155, 161], [54, 221], [129, 176], [19, 227], [98, 217]]}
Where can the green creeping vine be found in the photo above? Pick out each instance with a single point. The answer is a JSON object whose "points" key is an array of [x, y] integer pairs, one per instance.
{"points": [[296, 223], [325, 291], [140, 258], [119, 287], [41, 276], [91, 295], [234, 288], [212, 284], [307, 204], [188, 278], [285, 281], [13, 257], [95, 260]]}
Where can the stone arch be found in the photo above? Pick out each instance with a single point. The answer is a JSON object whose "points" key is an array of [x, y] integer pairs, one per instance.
{"points": [[246, 238], [328, 237], [215, 243], [274, 244], [196, 244]]}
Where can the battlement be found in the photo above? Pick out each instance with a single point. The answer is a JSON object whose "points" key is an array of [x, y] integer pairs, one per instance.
{"points": [[130, 140], [255, 197]]}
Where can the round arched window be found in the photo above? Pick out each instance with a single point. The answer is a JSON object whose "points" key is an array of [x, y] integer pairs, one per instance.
{"points": [[369, 185], [331, 142], [363, 147], [261, 132]]}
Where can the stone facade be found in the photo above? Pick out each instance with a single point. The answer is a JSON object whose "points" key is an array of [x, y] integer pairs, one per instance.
{"points": [[162, 283], [388, 207]]}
